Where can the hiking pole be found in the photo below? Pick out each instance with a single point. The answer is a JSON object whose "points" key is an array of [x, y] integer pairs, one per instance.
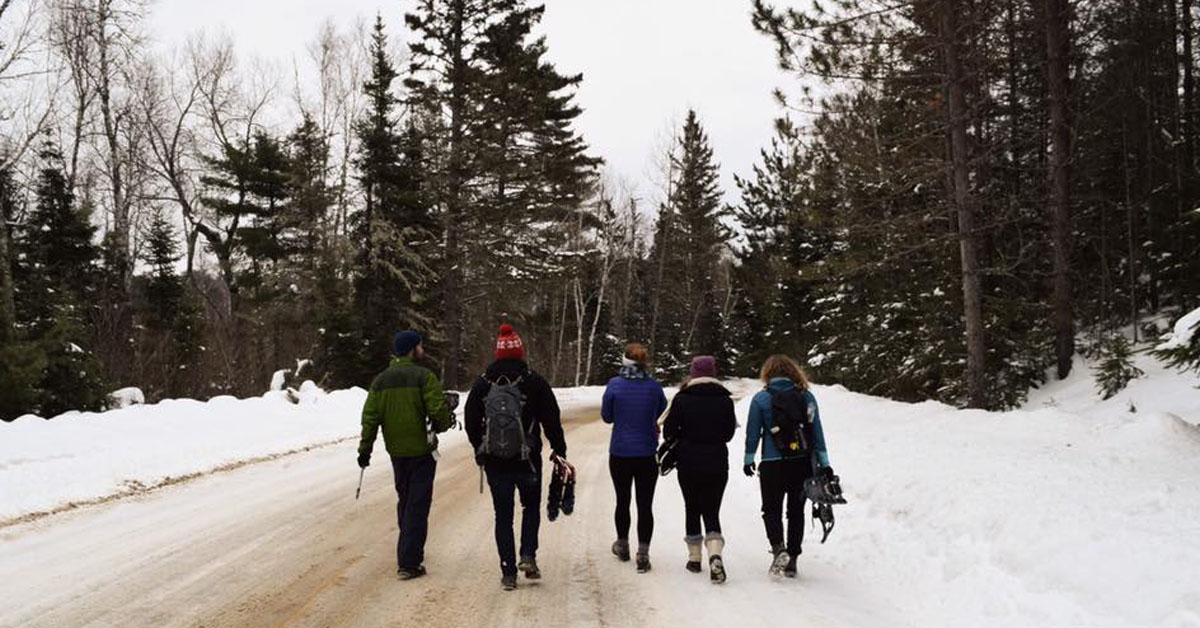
{"points": [[360, 478]]}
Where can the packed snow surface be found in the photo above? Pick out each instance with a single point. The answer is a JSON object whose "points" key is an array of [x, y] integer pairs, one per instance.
{"points": [[1070, 512]]}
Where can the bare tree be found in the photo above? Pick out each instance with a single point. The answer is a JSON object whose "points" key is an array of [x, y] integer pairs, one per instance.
{"points": [[27, 89]]}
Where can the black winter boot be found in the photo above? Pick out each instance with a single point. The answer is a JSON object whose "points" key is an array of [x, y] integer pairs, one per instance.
{"points": [[790, 570], [643, 557], [620, 549], [528, 566], [508, 582]]}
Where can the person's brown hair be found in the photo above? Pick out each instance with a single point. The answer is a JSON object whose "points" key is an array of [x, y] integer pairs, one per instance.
{"points": [[782, 366], [637, 352]]}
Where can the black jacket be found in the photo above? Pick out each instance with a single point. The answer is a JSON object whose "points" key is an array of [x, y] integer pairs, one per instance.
{"points": [[539, 412], [702, 420]]}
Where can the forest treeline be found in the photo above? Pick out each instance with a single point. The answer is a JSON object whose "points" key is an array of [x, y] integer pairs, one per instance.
{"points": [[959, 198]]}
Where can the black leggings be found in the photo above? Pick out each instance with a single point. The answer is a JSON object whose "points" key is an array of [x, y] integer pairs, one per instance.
{"points": [[702, 494], [782, 484], [626, 474]]}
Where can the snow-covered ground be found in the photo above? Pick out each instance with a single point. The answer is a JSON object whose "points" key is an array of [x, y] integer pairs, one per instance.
{"points": [[1070, 512], [47, 465]]}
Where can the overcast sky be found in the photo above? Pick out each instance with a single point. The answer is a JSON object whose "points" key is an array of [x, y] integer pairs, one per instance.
{"points": [[645, 62]]}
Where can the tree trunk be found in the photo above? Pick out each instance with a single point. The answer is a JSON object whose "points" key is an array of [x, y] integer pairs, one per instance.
{"points": [[1189, 94], [8, 315], [1131, 231], [579, 307], [1058, 25], [967, 236], [453, 215], [562, 334], [116, 163], [605, 270]]}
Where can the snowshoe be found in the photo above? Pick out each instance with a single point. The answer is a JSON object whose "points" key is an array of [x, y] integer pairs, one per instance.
{"points": [[716, 570], [620, 549], [790, 570], [406, 573], [508, 582], [529, 567], [694, 566], [643, 562]]}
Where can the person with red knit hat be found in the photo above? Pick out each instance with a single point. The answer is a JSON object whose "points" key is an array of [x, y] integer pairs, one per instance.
{"points": [[508, 408]]}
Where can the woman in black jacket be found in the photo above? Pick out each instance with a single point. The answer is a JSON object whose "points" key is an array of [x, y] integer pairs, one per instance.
{"points": [[701, 420]]}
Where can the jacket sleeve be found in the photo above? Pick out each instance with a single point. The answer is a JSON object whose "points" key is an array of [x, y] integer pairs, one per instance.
{"points": [[473, 413], [754, 428], [818, 432], [435, 403], [673, 425], [731, 423], [371, 416], [606, 404], [550, 417]]}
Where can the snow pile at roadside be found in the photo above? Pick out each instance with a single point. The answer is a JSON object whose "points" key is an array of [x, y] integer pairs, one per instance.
{"points": [[46, 465], [77, 457]]}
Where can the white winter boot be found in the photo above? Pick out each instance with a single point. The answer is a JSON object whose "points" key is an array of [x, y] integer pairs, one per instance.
{"points": [[716, 566]]}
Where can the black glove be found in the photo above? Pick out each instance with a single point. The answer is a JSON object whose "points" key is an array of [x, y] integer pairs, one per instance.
{"points": [[826, 473], [749, 470], [364, 461], [480, 459]]}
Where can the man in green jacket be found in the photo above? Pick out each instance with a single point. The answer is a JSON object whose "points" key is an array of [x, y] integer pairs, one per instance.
{"points": [[401, 400]]}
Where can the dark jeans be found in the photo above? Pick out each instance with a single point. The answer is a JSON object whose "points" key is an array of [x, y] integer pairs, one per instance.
{"points": [[629, 474], [414, 488], [702, 494], [529, 485], [783, 481]]}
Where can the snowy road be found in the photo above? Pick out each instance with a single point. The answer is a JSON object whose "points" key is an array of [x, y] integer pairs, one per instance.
{"points": [[283, 543], [942, 528]]}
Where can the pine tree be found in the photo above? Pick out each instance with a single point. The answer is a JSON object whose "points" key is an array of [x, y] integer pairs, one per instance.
{"points": [[57, 277], [509, 163], [22, 363], [1115, 368], [171, 318], [774, 310], [393, 269], [690, 245]]}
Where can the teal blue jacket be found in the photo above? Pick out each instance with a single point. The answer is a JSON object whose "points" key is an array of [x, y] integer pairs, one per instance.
{"points": [[759, 424]]}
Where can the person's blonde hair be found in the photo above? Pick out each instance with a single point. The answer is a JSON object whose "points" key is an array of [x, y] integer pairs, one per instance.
{"points": [[780, 365], [637, 352]]}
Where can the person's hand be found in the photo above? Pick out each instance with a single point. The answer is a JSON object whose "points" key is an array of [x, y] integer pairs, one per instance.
{"points": [[364, 461], [826, 473], [479, 460], [749, 470]]}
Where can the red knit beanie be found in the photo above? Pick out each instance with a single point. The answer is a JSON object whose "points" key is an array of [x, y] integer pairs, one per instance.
{"points": [[509, 345]]}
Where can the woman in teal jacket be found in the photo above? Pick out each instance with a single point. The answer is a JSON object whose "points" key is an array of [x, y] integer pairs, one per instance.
{"points": [[781, 479]]}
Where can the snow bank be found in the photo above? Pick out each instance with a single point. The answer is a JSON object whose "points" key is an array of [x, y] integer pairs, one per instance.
{"points": [[46, 465], [1017, 519], [1038, 517]]}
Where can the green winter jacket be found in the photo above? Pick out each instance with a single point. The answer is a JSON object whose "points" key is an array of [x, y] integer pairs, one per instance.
{"points": [[400, 399]]}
